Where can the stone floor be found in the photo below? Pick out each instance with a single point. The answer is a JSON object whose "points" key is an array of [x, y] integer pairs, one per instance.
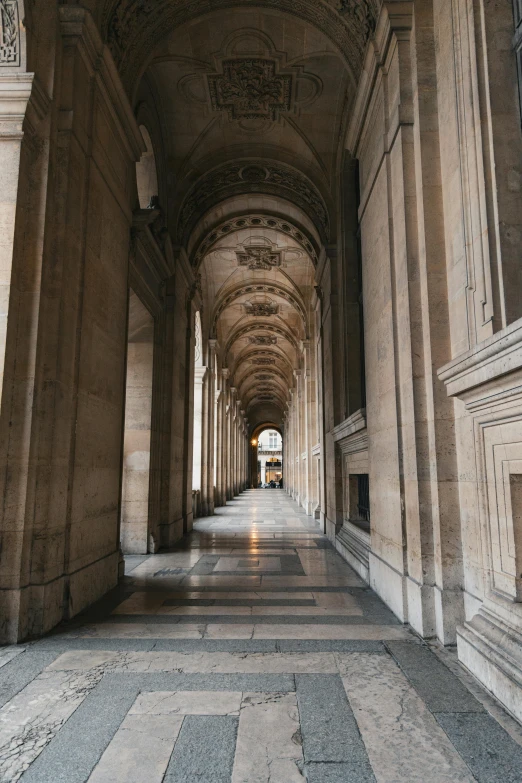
{"points": [[251, 654]]}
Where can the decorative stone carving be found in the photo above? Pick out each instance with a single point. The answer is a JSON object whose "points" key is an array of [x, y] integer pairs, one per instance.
{"points": [[361, 13], [263, 339], [263, 360], [255, 221], [261, 308], [250, 88], [260, 288], [264, 377], [259, 257], [134, 26], [9, 33], [254, 176]]}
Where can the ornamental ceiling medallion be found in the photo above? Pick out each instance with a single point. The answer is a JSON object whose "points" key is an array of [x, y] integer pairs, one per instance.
{"points": [[263, 339], [250, 89], [263, 361], [259, 257], [259, 309]]}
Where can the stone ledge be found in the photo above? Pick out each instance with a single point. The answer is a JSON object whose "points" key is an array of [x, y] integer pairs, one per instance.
{"points": [[354, 423], [353, 544], [497, 356]]}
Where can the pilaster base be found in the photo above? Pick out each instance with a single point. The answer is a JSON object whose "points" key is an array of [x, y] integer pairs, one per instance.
{"points": [[492, 651]]}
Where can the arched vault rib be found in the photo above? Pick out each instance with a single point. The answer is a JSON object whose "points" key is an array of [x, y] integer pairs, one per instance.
{"points": [[249, 354], [276, 289], [274, 373], [249, 385], [261, 326], [227, 227], [253, 175]]}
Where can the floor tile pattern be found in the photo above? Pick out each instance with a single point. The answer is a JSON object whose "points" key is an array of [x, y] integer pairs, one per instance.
{"points": [[250, 654]]}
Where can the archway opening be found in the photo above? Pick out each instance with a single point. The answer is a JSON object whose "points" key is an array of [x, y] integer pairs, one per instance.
{"points": [[269, 459]]}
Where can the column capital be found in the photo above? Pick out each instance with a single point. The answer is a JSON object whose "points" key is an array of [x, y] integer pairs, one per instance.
{"points": [[199, 374], [225, 372], [15, 92]]}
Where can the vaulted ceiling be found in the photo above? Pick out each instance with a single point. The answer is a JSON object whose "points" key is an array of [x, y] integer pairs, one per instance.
{"points": [[246, 105]]}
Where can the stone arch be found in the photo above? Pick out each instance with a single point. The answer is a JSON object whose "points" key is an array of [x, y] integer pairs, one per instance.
{"points": [[289, 227], [253, 175]]}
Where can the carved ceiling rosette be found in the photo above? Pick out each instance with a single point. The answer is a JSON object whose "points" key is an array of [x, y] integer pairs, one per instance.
{"points": [[9, 34], [262, 339], [250, 89], [259, 309], [259, 257], [263, 361]]}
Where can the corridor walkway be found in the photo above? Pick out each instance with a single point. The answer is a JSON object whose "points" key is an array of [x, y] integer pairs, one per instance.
{"points": [[251, 654]]}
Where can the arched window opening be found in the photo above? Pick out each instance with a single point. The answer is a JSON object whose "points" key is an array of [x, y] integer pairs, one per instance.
{"points": [[146, 174]]}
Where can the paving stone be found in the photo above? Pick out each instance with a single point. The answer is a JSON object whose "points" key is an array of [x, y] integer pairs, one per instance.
{"points": [[167, 681], [329, 729], [134, 645], [329, 645], [339, 773], [20, 671], [204, 750], [73, 753], [437, 686], [491, 754], [230, 619]]}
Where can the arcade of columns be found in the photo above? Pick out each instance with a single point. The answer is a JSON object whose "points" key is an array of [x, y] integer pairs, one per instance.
{"points": [[350, 241]]}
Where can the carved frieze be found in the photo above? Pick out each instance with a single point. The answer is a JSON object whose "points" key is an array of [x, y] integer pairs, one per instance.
{"points": [[258, 309], [254, 176], [134, 26], [361, 13], [9, 33], [259, 257], [262, 339], [250, 88], [263, 361]]}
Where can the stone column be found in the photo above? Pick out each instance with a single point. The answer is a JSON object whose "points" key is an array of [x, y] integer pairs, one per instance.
{"points": [[222, 456], [219, 442], [211, 427], [200, 374], [232, 444]]}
